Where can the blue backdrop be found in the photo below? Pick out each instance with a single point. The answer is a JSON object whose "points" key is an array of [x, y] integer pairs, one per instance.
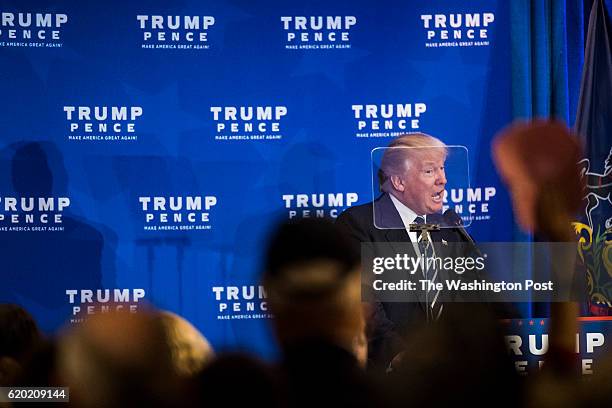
{"points": [[148, 147]]}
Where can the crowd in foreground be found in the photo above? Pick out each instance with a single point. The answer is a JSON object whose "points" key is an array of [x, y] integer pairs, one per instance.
{"points": [[156, 358]]}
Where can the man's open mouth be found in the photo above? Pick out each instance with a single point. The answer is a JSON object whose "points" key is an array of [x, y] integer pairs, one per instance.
{"points": [[437, 197]]}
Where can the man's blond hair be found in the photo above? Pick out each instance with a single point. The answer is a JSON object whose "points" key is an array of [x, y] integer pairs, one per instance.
{"points": [[399, 153]]}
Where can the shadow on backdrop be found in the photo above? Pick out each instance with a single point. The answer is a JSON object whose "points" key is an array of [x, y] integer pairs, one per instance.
{"points": [[39, 266]]}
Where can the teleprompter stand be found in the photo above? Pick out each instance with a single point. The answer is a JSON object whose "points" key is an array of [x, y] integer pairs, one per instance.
{"points": [[424, 230]]}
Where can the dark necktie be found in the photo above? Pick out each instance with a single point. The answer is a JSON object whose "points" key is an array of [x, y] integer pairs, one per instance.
{"points": [[430, 272]]}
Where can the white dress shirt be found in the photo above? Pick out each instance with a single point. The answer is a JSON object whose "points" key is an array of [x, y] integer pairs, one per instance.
{"points": [[408, 216]]}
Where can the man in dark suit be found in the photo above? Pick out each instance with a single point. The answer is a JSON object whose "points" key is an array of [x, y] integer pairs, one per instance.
{"points": [[412, 180]]}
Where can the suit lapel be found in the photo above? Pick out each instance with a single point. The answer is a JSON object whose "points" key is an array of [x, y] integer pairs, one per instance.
{"points": [[387, 217]]}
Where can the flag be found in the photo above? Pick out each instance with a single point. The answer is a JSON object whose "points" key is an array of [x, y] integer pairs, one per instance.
{"points": [[594, 126]]}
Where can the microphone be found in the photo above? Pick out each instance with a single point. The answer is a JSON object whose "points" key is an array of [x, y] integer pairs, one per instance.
{"points": [[452, 219]]}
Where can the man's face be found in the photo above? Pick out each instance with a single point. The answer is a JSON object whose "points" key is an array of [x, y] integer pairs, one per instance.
{"points": [[422, 184]]}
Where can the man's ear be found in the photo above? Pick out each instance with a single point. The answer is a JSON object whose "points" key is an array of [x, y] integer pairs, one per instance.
{"points": [[398, 183]]}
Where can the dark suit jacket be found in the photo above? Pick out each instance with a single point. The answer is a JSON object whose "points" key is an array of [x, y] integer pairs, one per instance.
{"points": [[389, 322], [317, 373]]}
